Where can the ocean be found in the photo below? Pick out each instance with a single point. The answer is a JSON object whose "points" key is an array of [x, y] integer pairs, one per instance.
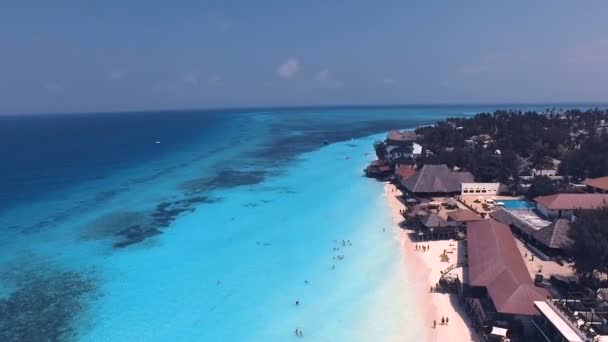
{"points": [[203, 226]]}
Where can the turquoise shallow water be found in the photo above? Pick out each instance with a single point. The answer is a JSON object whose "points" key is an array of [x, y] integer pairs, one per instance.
{"points": [[210, 235], [518, 204], [233, 270]]}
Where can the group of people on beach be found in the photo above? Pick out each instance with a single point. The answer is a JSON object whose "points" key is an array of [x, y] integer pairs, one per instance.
{"points": [[423, 248], [298, 332], [444, 321]]}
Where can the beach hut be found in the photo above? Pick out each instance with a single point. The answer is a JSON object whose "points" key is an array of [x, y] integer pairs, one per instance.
{"points": [[434, 227], [451, 203], [434, 204]]}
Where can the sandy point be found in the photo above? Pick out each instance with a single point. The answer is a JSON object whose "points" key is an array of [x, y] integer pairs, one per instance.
{"points": [[425, 270]]}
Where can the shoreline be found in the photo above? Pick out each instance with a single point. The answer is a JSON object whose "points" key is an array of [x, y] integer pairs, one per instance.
{"points": [[424, 270]]}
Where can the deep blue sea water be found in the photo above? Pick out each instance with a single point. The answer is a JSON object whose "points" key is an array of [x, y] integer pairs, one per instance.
{"points": [[211, 234]]}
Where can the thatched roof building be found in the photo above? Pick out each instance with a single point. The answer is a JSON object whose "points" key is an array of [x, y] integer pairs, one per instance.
{"points": [[436, 179]]}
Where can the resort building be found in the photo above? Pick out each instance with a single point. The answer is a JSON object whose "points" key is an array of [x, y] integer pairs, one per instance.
{"points": [[599, 185], [401, 144], [395, 152], [463, 216], [480, 189], [564, 205], [401, 161], [497, 289], [401, 138], [433, 227], [416, 150], [403, 172], [549, 238], [436, 180], [378, 168], [550, 172], [571, 320]]}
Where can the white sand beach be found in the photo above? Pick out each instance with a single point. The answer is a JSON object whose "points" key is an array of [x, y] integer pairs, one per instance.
{"points": [[425, 268]]}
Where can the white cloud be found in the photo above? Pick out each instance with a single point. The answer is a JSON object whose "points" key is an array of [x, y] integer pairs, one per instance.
{"points": [[322, 76], [289, 69], [215, 79], [116, 75]]}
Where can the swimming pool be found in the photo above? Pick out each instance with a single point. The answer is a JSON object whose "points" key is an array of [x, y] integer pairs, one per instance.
{"points": [[518, 204]]}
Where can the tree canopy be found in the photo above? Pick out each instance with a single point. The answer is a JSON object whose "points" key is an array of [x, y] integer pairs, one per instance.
{"points": [[541, 186], [504, 145], [380, 148], [589, 233]]}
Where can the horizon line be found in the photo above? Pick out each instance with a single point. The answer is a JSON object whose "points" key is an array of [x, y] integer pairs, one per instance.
{"points": [[296, 107]]}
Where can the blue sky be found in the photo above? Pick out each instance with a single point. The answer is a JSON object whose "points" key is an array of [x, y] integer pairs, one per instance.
{"points": [[70, 56]]}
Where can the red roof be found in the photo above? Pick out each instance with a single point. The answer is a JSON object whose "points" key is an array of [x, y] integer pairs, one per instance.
{"points": [[496, 264], [572, 201], [463, 215], [600, 183], [404, 171], [403, 136]]}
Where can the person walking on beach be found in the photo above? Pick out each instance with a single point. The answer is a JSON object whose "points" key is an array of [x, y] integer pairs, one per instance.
{"points": [[434, 323], [428, 247], [442, 320], [447, 320]]}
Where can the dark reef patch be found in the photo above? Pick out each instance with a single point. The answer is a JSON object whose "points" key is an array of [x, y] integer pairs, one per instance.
{"points": [[313, 135], [46, 302], [131, 227], [227, 178]]}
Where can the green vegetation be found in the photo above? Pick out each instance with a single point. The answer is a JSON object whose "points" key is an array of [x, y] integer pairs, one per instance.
{"points": [[380, 148], [508, 146], [589, 233], [541, 186]]}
